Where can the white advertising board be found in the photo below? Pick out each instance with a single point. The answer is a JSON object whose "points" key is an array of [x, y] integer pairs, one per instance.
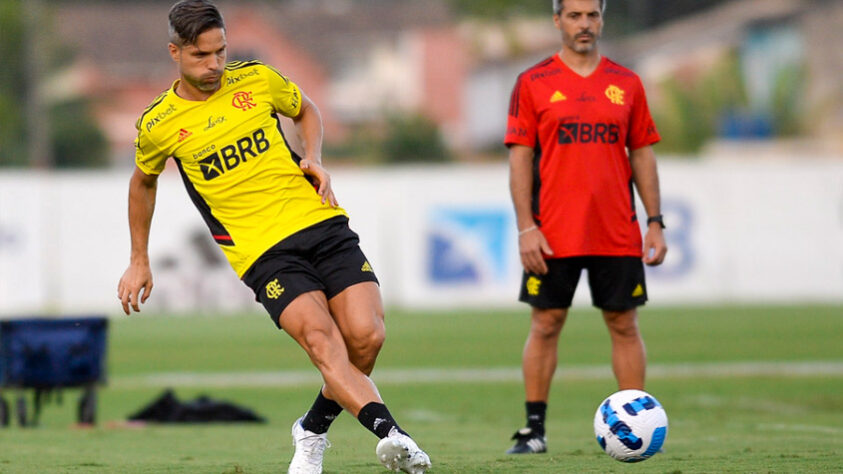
{"points": [[438, 237]]}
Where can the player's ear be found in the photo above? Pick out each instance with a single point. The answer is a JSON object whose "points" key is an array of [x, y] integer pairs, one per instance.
{"points": [[174, 51]]}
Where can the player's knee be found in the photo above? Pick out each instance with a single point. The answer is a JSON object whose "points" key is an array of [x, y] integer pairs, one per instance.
{"points": [[321, 345], [623, 325], [626, 332], [365, 347], [547, 326], [547, 323]]}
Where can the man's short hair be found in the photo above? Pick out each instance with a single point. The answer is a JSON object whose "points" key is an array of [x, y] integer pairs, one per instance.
{"points": [[191, 18], [557, 6]]}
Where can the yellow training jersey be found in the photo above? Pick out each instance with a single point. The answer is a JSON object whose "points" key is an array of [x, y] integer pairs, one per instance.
{"points": [[234, 159]]}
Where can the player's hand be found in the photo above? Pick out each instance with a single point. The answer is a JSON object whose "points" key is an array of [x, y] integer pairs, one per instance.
{"points": [[323, 180], [533, 247], [135, 287], [655, 247]]}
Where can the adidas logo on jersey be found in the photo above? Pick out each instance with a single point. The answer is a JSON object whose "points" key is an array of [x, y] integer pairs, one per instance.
{"points": [[557, 97]]}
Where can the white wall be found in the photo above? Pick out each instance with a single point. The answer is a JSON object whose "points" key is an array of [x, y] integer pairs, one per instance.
{"points": [[739, 231]]}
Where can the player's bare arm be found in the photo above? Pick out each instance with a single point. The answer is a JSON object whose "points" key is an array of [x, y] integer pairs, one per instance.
{"points": [[531, 242], [135, 285], [309, 126], [646, 177]]}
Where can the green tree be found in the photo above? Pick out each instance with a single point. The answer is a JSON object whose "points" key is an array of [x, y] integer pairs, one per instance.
{"points": [[75, 139], [500, 9], [787, 111], [12, 86], [690, 112], [413, 138]]}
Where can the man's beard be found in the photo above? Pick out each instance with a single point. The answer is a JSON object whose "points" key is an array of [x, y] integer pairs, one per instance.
{"points": [[584, 48], [203, 85]]}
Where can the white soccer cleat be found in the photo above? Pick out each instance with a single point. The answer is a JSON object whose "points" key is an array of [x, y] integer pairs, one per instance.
{"points": [[310, 449], [398, 452]]}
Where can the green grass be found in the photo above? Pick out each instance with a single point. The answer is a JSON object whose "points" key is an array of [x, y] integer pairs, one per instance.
{"points": [[718, 423]]}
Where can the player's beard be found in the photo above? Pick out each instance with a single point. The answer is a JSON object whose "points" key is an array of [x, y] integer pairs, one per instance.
{"points": [[583, 48], [205, 83]]}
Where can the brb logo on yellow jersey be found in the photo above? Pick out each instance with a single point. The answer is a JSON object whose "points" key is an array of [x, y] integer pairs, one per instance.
{"points": [[230, 156]]}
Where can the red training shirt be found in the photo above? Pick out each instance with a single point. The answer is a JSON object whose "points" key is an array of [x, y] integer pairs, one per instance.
{"points": [[580, 129]]}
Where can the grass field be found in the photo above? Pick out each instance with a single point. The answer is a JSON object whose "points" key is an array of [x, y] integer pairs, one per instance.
{"points": [[746, 389]]}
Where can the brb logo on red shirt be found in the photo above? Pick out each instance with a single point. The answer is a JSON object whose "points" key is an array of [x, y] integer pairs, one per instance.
{"points": [[577, 132]]}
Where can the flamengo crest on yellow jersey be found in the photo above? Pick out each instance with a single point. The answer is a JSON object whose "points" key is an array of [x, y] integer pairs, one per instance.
{"points": [[234, 160]]}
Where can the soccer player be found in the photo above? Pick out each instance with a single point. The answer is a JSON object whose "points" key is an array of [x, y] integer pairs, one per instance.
{"points": [[276, 219], [579, 134]]}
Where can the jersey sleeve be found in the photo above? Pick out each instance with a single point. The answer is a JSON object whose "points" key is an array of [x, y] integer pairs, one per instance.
{"points": [[286, 95], [148, 157], [521, 126], [642, 129]]}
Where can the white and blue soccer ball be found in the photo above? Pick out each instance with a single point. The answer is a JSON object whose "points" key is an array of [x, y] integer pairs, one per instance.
{"points": [[630, 425]]}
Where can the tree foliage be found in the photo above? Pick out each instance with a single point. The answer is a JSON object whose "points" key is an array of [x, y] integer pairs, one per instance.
{"points": [[12, 86], [624, 16], [413, 138], [75, 139], [402, 137], [691, 111]]}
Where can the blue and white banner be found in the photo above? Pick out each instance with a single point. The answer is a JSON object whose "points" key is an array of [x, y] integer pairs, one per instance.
{"points": [[437, 237]]}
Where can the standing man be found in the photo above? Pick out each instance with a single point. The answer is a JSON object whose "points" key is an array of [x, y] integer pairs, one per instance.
{"points": [[275, 217], [579, 135]]}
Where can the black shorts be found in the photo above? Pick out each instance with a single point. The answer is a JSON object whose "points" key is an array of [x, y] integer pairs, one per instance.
{"points": [[617, 283], [323, 257]]}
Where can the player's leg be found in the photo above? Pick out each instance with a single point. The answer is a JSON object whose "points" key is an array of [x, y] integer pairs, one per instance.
{"points": [[540, 352], [618, 288], [339, 264], [550, 296], [628, 353], [358, 312], [355, 304], [359, 316], [538, 365], [308, 321]]}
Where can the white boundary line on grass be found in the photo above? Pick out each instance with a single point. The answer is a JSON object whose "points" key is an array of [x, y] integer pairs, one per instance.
{"points": [[298, 378]]}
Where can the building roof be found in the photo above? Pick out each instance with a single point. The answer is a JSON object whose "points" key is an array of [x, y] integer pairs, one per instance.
{"points": [[723, 24], [129, 39]]}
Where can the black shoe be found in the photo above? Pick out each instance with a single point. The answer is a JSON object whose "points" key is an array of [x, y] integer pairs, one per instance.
{"points": [[528, 442]]}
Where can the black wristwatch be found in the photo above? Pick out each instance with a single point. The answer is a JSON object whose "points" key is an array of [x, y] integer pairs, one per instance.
{"points": [[659, 218]]}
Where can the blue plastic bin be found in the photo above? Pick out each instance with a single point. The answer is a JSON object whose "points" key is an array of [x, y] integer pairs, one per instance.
{"points": [[47, 354]]}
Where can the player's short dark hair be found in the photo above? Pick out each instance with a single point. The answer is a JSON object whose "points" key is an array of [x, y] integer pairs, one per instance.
{"points": [[557, 6], [191, 18]]}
